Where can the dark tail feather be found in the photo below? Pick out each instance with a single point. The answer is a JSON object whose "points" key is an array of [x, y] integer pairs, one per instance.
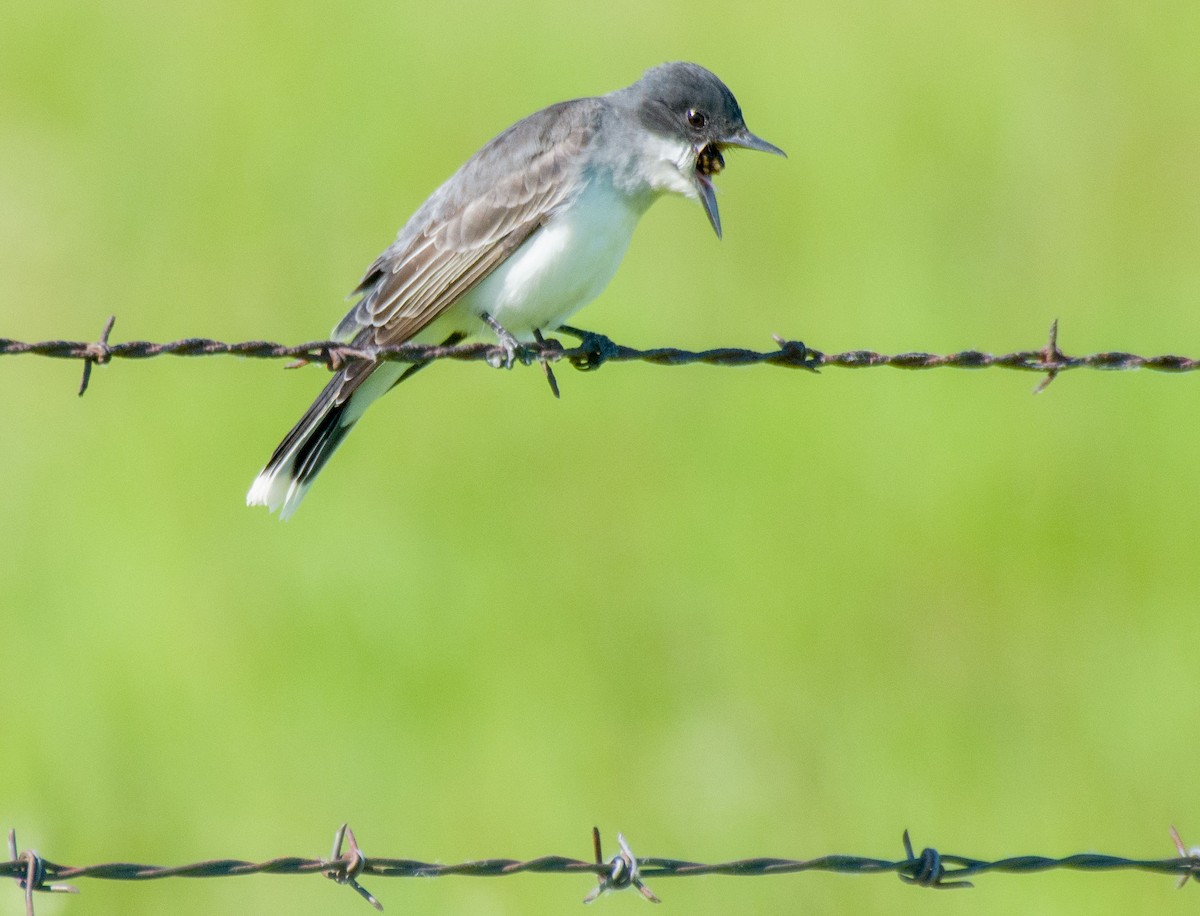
{"points": [[303, 452]]}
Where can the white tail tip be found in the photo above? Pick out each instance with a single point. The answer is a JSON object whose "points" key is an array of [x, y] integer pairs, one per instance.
{"points": [[276, 491]]}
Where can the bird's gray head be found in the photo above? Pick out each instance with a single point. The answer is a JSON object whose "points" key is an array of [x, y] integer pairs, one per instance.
{"points": [[684, 103]]}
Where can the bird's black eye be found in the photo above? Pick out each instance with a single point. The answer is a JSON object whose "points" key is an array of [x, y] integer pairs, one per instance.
{"points": [[696, 118]]}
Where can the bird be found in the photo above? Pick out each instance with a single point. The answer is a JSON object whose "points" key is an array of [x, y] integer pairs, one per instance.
{"points": [[529, 230]]}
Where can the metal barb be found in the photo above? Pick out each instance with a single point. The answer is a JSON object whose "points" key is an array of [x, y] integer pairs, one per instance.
{"points": [[927, 869], [795, 353], [333, 360], [329, 356], [622, 871], [1052, 356], [35, 874], [547, 347], [1185, 853], [345, 869], [96, 354]]}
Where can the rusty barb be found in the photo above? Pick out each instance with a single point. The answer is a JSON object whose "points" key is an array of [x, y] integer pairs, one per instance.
{"points": [[592, 351], [347, 863], [346, 869], [31, 874], [1185, 854]]}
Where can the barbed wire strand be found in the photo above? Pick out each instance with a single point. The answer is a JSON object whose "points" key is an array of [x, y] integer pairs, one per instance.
{"points": [[930, 868], [593, 351]]}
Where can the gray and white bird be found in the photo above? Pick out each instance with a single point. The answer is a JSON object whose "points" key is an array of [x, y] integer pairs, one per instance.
{"points": [[528, 231]]}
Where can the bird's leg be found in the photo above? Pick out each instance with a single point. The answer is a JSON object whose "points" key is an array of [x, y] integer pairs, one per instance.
{"points": [[596, 348], [508, 342]]}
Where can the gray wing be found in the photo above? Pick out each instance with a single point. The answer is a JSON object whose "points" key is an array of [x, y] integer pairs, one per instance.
{"points": [[467, 228]]}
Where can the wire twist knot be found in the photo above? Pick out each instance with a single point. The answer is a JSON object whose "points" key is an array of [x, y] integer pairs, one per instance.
{"points": [[344, 868], [34, 878], [622, 871], [1184, 853], [927, 869], [96, 353]]}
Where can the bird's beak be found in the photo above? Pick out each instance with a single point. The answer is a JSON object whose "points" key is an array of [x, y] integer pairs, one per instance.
{"points": [[743, 139], [709, 161], [708, 197]]}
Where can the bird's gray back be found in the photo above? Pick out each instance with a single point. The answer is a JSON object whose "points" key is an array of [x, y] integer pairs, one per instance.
{"points": [[470, 224]]}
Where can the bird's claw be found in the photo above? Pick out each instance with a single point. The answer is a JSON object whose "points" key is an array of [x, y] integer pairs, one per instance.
{"points": [[596, 349], [503, 354]]}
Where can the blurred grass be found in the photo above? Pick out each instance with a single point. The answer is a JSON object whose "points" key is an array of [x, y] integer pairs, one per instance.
{"points": [[730, 613]]}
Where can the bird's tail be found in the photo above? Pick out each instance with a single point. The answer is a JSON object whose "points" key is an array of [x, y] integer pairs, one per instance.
{"points": [[312, 441]]}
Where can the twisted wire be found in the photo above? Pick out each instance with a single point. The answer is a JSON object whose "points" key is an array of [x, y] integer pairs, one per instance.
{"points": [[929, 868], [593, 351]]}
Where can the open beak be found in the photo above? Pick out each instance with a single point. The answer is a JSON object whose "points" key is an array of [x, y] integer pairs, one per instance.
{"points": [[709, 162], [743, 139], [708, 197]]}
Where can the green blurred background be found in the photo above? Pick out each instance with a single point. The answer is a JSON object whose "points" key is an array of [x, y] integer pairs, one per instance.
{"points": [[727, 612]]}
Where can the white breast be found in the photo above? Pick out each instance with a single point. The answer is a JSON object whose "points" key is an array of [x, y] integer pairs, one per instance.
{"points": [[562, 267]]}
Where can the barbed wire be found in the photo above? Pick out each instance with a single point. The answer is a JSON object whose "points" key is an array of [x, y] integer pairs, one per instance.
{"points": [[347, 863], [593, 351]]}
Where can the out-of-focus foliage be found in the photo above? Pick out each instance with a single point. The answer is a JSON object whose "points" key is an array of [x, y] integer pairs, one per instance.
{"points": [[728, 612]]}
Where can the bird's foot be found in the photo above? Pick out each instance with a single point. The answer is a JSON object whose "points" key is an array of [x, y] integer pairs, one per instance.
{"points": [[503, 355], [596, 349]]}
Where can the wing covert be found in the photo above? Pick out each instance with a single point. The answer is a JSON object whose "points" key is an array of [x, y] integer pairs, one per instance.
{"points": [[472, 223]]}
